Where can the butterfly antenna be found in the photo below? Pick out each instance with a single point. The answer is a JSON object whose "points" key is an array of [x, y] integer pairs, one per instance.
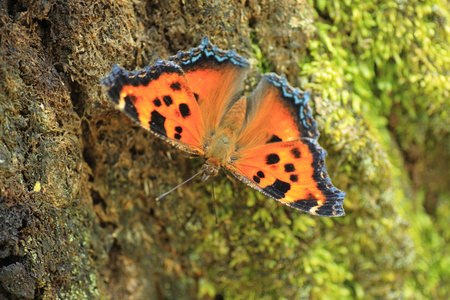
{"points": [[173, 189], [214, 201]]}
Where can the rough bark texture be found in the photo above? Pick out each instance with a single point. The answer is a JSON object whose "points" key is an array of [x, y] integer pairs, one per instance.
{"points": [[78, 180]]}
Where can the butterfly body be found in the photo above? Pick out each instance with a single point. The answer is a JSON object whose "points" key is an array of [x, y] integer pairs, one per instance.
{"points": [[221, 145], [268, 140]]}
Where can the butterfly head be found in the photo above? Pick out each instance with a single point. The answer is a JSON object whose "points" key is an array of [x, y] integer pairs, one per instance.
{"points": [[210, 168]]}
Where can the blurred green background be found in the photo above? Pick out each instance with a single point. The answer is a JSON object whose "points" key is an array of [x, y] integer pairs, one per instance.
{"points": [[380, 72]]}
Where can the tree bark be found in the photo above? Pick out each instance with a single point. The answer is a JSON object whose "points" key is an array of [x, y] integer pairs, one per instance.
{"points": [[78, 179]]}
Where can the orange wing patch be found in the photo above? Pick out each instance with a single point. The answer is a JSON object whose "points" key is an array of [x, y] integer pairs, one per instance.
{"points": [[277, 112], [293, 173], [216, 79], [216, 90], [160, 100]]}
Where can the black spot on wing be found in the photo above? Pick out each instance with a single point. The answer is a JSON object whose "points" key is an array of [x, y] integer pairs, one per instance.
{"points": [[258, 176], [130, 109], [178, 131], [274, 139], [278, 189], [157, 102], [272, 159], [296, 152], [289, 168], [176, 86], [157, 123], [184, 110], [293, 178], [196, 96], [167, 100]]}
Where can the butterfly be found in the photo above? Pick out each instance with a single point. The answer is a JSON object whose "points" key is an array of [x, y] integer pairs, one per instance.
{"points": [[268, 141]]}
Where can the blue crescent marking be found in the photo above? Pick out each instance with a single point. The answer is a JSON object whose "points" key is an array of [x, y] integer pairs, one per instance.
{"points": [[215, 52]]}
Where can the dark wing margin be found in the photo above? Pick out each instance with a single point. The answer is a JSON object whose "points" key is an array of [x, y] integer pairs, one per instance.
{"points": [[207, 55], [298, 101]]}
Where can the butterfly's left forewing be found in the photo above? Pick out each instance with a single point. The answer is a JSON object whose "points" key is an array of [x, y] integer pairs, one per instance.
{"points": [[276, 112], [160, 100], [216, 79]]}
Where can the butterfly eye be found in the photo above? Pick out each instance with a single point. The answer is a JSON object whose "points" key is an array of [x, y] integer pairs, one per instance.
{"points": [[209, 170]]}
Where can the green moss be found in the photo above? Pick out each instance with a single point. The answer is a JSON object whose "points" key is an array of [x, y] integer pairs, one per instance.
{"points": [[387, 64]]}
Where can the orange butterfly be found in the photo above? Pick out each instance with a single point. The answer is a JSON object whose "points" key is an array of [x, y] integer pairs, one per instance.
{"points": [[267, 140]]}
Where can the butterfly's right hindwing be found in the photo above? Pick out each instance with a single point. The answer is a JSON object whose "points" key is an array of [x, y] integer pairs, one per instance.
{"points": [[293, 173]]}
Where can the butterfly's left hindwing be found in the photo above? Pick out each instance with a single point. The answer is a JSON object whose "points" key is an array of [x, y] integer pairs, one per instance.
{"points": [[293, 173], [160, 100]]}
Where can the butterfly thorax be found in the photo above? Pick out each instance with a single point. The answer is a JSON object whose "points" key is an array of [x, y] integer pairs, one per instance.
{"points": [[221, 144]]}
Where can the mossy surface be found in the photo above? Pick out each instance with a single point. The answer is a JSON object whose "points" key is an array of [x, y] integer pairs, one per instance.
{"points": [[78, 179]]}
